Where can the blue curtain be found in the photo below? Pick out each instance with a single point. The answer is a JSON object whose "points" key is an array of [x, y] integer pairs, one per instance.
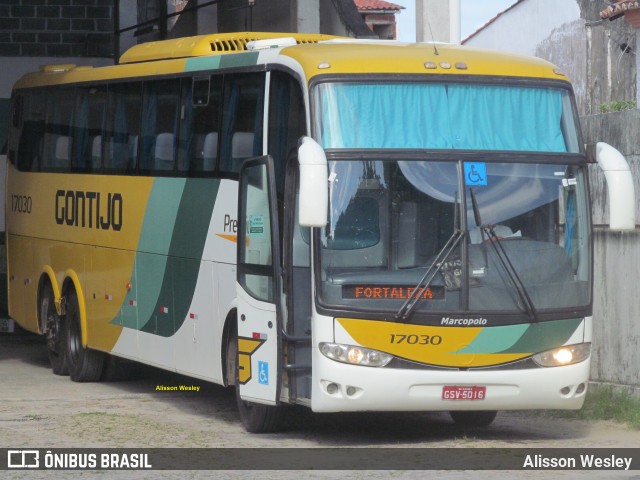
{"points": [[437, 116]]}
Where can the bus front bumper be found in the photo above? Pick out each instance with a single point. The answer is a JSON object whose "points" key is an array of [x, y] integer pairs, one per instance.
{"points": [[339, 387]]}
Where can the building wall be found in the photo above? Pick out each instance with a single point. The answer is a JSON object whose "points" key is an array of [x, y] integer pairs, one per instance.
{"points": [[306, 16], [571, 35], [56, 29], [594, 55], [383, 24]]}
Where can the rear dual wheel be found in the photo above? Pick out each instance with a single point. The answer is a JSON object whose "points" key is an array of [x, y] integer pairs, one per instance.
{"points": [[53, 325], [85, 364]]}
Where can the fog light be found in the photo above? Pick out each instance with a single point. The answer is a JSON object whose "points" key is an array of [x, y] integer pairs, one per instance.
{"points": [[332, 388]]}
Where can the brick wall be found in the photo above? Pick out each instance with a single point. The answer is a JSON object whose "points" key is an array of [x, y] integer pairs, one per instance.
{"points": [[56, 28]]}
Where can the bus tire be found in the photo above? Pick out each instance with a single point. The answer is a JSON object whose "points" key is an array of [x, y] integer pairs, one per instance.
{"points": [[53, 326], [85, 365], [479, 418], [256, 418]]}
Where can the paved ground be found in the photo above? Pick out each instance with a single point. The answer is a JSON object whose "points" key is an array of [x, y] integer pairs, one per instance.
{"points": [[39, 409]]}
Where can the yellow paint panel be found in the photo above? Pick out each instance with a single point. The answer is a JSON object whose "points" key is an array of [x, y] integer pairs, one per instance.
{"points": [[83, 74], [424, 344], [202, 45], [69, 208], [246, 347], [68, 233], [353, 58]]}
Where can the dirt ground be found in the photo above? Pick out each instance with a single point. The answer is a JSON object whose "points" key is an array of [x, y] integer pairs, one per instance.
{"points": [[41, 410]]}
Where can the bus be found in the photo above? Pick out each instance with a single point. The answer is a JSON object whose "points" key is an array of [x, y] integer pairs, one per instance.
{"points": [[340, 224]]}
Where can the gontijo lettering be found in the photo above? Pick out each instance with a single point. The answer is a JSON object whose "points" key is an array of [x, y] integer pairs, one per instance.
{"points": [[89, 209]]}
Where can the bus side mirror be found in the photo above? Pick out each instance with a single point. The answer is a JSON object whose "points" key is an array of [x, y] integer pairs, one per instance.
{"points": [[314, 184], [622, 201]]}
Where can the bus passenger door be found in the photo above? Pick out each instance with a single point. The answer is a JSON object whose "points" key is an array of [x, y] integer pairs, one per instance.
{"points": [[259, 284]]}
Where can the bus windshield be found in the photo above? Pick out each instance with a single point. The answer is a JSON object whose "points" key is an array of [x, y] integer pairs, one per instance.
{"points": [[389, 219], [428, 115]]}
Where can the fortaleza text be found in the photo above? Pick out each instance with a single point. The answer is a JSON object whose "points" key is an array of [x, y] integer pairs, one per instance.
{"points": [[178, 388], [595, 462]]}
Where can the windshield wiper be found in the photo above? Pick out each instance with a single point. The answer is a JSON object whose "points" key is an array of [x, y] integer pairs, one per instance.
{"points": [[409, 305], [501, 253]]}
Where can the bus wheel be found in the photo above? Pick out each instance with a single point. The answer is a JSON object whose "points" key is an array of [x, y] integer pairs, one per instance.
{"points": [[481, 418], [53, 325], [256, 418], [85, 365]]}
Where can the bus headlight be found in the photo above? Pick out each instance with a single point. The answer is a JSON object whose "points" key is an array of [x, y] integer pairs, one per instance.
{"points": [[565, 355], [354, 355]]}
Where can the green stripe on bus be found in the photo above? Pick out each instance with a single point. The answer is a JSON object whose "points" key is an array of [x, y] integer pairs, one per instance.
{"points": [[150, 265], [202, 63], [240, 60], [495, 339], [245, 59], [161, 215], [527, 338], [545, 335], [183, 262]]}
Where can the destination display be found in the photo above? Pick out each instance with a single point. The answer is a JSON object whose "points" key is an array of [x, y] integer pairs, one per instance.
{"points": [[390, 292]]}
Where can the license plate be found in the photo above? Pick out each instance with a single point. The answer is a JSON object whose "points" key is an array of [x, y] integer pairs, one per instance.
{"points": [[456, 392]]}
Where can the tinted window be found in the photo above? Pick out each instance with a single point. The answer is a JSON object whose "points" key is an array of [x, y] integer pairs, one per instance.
{"points": [[122, 131], [242, 120]]}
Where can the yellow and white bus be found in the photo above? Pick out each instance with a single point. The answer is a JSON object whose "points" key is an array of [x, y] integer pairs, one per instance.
{"points": [[347, 225]]}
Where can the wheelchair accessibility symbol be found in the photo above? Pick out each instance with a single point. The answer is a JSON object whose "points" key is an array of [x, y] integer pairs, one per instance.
{"points": [[263, 373], [475, 174]]}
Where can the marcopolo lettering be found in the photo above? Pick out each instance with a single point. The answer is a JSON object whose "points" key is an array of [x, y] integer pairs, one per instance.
{"points": [[89, 209], [463, 321]]}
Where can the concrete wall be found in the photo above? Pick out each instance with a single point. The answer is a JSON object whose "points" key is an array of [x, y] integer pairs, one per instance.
{"points": [[616, 354], [594, 54], [438, 20], [330, 21], [306, 16]]}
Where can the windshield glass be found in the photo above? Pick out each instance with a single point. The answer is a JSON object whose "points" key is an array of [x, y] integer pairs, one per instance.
{"points": [[389, 220], [444, 116]]}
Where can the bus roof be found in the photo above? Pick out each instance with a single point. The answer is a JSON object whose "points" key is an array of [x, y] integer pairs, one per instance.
{"points": [[384, 56], [317, 55]]}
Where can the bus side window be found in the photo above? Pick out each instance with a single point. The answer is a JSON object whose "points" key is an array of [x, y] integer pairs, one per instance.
{"points": [[58, 131], [32, 133], [122, 128], [17, 115], [242, 119], [87, 131], [200, 126], [287, 122], [160, 124]]}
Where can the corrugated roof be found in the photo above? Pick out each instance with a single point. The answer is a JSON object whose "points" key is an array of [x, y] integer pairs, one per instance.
{"points": [[377, 5], [616, 9]]}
